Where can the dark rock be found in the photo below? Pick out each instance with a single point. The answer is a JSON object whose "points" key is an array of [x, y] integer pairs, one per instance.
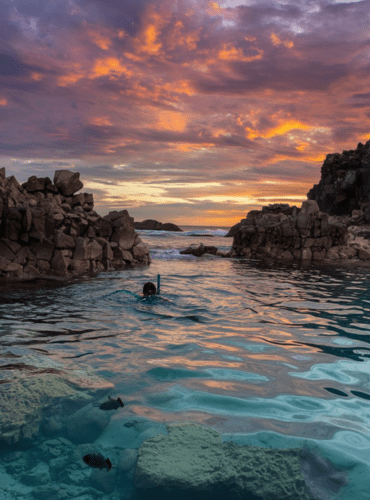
{"points": [[151, 224], [4, 263], [43, 250], [81, 249], [12, 245], [140, 251], [194, 249], [36, 183], [59, 263], [63, 240], [95, 251], [345, 181], [49, 230], [112, 216], [12, 229], [6, 252], [306, 234], [105, 228], [67, 182]]}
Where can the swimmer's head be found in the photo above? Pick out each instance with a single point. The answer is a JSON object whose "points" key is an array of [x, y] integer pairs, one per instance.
{"points": [[149, 289]]}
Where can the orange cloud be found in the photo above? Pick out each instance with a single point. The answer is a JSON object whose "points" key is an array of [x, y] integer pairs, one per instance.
{"points": [[37, 76], [192, 147], [3, 102], [279, 130], [231, 53], [101, 121], [147, 41], [69, 79], [215, 7], [177, 37], [276, 41], [102, 41], [171, 120], [109, 66], [180, 87]]}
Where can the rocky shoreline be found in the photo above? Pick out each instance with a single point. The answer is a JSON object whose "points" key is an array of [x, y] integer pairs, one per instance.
{"points": [[288, 234], [49, 231], [284, 233]]}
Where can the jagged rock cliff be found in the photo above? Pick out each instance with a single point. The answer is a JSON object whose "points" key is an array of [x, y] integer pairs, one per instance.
{"points": [[47, 230], [345, 182], [290, 234]]}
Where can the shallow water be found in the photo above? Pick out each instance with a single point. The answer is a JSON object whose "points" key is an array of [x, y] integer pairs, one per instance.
{"points": [[276, 355]]}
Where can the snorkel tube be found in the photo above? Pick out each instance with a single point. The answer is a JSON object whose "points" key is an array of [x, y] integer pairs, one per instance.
{"points": [[158, 283]]}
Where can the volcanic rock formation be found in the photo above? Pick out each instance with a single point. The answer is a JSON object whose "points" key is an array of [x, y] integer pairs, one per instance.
{"points": [[47, 230], [292, 234], [345, 182]]}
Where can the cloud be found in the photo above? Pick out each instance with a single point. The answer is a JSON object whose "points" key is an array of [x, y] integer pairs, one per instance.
{"points": [[170, 93]]}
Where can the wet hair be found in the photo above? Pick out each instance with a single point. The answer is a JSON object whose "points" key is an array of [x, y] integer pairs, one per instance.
{"points": [[149, 289]]}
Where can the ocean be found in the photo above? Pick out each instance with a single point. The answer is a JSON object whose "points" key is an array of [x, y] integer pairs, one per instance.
{"points": [[267, 355]]}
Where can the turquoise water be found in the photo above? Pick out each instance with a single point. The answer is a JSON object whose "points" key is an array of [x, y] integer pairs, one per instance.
{"points": [[271, 356]]}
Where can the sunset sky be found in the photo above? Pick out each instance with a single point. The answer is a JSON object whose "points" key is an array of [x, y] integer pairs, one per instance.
{"points": [[181, 111]]}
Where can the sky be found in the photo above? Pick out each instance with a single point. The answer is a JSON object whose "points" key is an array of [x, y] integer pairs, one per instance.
{"points": [[192, 112]]}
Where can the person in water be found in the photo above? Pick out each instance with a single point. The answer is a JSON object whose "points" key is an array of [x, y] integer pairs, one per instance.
{"points": [[149, 289]]}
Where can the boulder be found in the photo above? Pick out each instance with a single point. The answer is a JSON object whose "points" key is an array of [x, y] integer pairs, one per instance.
{"points": [[194, 249], [59, 263], [43, 250], [81, 249], [140, 251], [95, 250], [193, 462], [79, 267], [124, 237], [63, 240], [36, 183], [67, 182], [151, 224], [6, 252]]}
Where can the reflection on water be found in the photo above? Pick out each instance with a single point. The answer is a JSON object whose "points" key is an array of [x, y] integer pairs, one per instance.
{"points": [[228, 342], [227, 328]]}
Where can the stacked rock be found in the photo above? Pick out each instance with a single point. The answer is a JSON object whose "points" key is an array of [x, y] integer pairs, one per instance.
{"points": [[46, 229], [345, 182], [289, 233]]}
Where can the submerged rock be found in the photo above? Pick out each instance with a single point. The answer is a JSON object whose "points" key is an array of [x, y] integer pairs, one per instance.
{"points": [[193, 462], [199, 250]]}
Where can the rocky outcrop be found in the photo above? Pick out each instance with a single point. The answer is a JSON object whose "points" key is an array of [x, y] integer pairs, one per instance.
{"points": [[290, 234], [193, 462], [156, 226], [25, 398], [345, 182], [48, 230]]}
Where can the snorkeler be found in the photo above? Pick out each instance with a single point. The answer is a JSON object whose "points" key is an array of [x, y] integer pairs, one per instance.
{"points": [[149, 289]]}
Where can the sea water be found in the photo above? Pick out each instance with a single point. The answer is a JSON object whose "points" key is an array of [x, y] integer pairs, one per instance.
{"points": [[273, 355]]}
